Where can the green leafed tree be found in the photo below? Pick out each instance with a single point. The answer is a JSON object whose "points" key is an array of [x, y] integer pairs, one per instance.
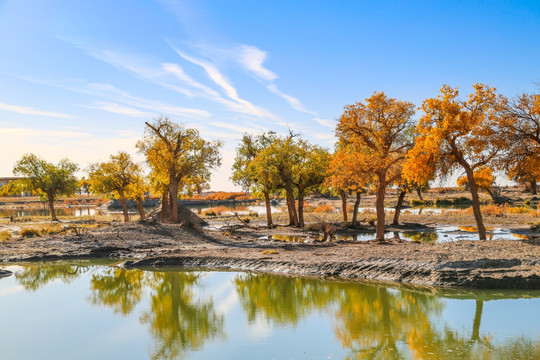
{"points": [[177, 154], [116, 178], [48, 179], [250, 172]]}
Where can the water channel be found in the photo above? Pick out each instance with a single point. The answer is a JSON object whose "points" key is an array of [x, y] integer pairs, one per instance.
{"points": [[93, 310]]}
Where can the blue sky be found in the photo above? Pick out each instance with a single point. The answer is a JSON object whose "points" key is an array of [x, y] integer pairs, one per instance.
{"points": [[79, 78]]}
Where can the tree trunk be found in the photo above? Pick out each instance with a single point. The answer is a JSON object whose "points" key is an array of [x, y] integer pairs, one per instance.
{"points": [[398, 207], [51, 207], [300, 208], [122, 199], [164, 205], [293, 216], [476, 203], [343, 195], [140, 208], [268, 209], [173, 206], [534, 188], [381, 192], [477, 319], [419, 193], [355, 209]]}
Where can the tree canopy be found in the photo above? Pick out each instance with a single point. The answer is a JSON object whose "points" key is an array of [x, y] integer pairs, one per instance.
{"points": [[48, 179], [180, 153], [380, 132]]}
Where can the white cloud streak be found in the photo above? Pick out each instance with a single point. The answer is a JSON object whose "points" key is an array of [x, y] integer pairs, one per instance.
{"points": [[31, 111], [119, 109], [325, 122], [293, 102], [252, 59]]}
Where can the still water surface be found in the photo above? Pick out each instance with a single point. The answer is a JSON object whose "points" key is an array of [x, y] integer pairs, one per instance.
{"points": [[85, 310]]}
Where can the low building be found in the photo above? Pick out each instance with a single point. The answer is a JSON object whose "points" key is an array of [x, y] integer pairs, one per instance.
{"points": [[6, 180]]}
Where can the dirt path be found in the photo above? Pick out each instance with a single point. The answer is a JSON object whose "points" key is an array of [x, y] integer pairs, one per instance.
{"points": [[490, 264]]}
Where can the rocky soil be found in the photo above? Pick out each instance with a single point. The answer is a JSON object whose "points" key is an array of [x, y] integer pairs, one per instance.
{"points": [[488, 264]]}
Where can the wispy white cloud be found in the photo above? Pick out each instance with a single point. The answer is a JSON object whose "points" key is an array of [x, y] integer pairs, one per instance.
{"points": [[158, 107], [237, 128], [50, 134], [177, 71], [31, 111], [326, 122], [237, 104], [252, 59], [119, 109], [293, 102], [138, 66]]}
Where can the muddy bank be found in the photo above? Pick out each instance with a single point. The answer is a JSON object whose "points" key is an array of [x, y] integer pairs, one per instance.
{"points": [[488, 264]]}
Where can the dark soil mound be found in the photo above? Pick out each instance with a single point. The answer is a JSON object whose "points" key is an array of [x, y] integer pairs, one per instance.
{"points": [[186, 217]]}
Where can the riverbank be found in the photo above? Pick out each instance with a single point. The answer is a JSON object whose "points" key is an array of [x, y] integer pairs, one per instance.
{"points": [[489, 264]]}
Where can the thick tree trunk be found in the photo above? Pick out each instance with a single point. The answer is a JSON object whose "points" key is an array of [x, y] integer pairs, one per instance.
{"points": [[381, 192], [343, 195], [534, 187], [165, 205], [173, 206], [419, 193], [51, 207], [398, 207], [268, 209], [140, 208], [300, 208], [293, 216], [476, 203], [122, 199], [355, 209]]}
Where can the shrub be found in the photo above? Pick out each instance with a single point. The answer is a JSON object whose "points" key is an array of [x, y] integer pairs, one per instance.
{"points": [[5, 235], [461, 200], [442, 202], [29, 232], [491, 210], [51, 229], [324, 208], [527, 202], [372, 220], [209, 213], [246, 219], [517, 210]]}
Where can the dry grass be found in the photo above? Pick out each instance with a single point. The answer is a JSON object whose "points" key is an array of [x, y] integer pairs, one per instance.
{"points": [[29, 232], [5, 235], [269, 252]]}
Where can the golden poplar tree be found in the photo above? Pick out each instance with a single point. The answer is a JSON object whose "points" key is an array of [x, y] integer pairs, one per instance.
{"points": [[380, 130]]}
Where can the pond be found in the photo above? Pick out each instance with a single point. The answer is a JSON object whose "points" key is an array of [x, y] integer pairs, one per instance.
{"points": [[91, 310]]}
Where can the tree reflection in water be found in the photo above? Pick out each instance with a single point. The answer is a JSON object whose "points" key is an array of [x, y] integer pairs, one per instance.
{"points": [[374, 322], [34, 276], [178, 321], [371, 322]]}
